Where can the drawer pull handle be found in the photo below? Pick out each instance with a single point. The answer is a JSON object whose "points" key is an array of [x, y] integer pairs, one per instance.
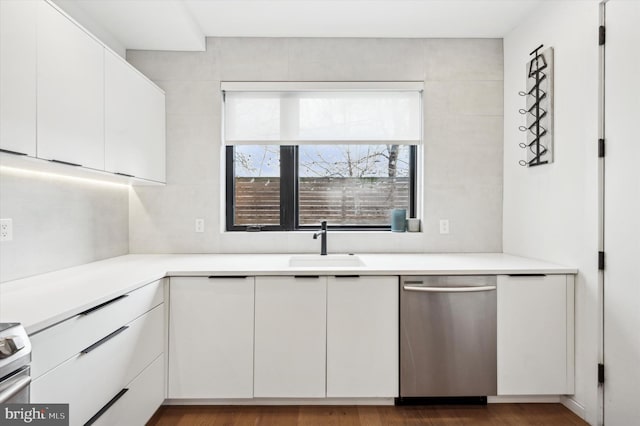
{"points": [[104, 340], [527, 275], [68, 163], [124, 174], [450, 289], [227, 277], [102, 305], [108, 405], [347, 276], [306, 276], [8, 151]]}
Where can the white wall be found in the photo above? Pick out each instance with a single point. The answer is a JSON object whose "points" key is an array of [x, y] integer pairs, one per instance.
{"points": [[59, 222], [463, 139], [551, 212]]}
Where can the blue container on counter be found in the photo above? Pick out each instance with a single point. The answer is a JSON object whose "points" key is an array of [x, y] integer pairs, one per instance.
{"points": [[398, 220]]}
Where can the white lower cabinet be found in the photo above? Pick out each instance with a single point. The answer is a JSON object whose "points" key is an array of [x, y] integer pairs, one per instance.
{"points": [[90, 359], [277, 337], [139, 400], [290, 337], [211, 337], [362, 336], [93, 377], [337, 336], [535, 335], [314, 336]]}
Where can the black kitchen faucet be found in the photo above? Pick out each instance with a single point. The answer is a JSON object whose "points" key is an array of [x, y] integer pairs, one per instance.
{"points": [[323, 237]]}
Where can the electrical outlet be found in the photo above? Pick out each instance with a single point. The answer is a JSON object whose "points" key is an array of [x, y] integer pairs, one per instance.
{"points": [[444, 226], [6, 229], [199, 225]]}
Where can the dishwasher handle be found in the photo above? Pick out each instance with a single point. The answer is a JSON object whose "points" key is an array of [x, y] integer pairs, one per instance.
{"points": [[449, 289]]}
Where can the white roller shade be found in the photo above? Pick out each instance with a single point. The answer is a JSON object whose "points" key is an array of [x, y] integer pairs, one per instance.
{"points": [[325, 116]]}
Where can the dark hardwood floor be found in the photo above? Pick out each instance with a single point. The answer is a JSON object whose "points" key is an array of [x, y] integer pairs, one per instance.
{"points": [[492, 414]]}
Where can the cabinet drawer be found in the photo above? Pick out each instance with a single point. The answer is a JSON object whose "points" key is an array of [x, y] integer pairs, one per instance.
{"points": [[90, 379], [55, 345], [143, 397]]}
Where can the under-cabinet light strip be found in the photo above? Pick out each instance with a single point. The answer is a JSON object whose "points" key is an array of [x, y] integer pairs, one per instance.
{"points": [[60, 177]]}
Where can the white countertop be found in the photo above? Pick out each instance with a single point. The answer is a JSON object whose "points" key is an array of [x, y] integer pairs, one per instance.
{"points": [[43, 300]]}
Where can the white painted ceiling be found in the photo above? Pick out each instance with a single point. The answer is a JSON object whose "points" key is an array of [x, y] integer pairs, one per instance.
{"points": [[183, 24]]}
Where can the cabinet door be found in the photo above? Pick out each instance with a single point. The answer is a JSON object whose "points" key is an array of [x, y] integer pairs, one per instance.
{"points": [[535, 335], [290, 337], [211, 337], [134, 122], [18, 76], [362, 337], [70, 80]]}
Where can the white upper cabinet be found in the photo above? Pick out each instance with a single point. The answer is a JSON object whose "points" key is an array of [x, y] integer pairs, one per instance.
{"points": [[70, 82], [65, 97], [134, 122], [18, 76]]}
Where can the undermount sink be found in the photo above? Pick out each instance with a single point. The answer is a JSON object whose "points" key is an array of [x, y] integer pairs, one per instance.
{"points": [[331, 260]]}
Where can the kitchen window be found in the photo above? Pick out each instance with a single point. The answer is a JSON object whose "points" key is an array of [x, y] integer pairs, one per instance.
{"points": [[300, 153]]}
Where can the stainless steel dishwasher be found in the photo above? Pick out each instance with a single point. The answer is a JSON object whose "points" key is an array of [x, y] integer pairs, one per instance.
{"points": [[448, 336]]}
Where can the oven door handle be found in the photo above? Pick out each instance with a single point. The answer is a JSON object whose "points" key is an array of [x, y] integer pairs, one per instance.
{"points": [[449, 289], [12, 386]]}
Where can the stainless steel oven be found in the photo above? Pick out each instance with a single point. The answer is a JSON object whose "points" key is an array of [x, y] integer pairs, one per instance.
{"points": [[448, 336], [15, 357]]}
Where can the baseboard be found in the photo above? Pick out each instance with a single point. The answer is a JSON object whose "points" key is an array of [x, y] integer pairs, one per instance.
{"points": [[574, 406], [568, 402], [522, 399], [283, 401], [442, 400]]}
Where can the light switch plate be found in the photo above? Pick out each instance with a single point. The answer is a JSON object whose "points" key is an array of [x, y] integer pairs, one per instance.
{"points": [[6, 229]]}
